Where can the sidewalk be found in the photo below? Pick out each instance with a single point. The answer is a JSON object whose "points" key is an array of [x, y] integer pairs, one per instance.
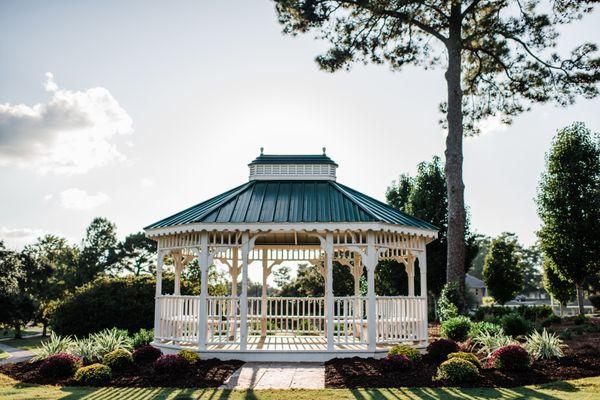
{"points": [[16, 355], [277, 376]]}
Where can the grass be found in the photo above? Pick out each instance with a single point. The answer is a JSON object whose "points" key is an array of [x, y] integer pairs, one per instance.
{"points": [[25, 344], [3, 354], [580, 389], [30, 330]]}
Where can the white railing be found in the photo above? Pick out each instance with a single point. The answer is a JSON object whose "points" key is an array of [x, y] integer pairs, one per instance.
{"points": [[400, 318], [178, 318], [291, 315], [350, 320]]}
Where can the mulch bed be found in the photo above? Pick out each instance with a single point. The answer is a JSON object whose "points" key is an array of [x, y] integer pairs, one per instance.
{"points": [[582, 359], [205, 373]]}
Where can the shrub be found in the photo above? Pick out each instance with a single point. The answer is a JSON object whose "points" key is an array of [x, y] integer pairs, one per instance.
{"points": [[580, 319], [457, 370], [488, 301], [595, 300], [87, 350], [125, 303], [489, 342], [439, 349], [470, 357], [515, 325], [566, 335], [93, 375], [55, 345], [456, 328], [170, 364], [118, 360], [142, 338], [510, 358], [396, 362], [534, 313], [493, 311], [405, 350], [477, 328], [191, 356], [449, 302], [60, 365], [551, 320], [146, 354], [543, 345], [110, 340]]}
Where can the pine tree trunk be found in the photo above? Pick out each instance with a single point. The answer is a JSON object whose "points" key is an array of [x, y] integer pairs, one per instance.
{"points": [[18, 334], [454, 158], [580, 299]]}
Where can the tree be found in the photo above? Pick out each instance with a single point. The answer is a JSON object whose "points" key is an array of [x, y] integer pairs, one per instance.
{"points": [[560, 288], [281, 276], [497, 63], [135, 255], [530, 264], [501, 271], [569, 205], [16, 305], [425, 197], [483, 243], [97, 251], [310, 282], [47, 263]]}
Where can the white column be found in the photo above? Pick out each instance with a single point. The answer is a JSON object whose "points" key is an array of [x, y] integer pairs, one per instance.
{"points": [[410, 271], [329, 303], [244, 295], [263, 297], [202, 309], [178, 267], [234, 271], [370, 264], [157, 311], [423, 271]]}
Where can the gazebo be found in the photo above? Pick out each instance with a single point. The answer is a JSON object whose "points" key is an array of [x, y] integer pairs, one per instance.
{"points": [[291, 209]]}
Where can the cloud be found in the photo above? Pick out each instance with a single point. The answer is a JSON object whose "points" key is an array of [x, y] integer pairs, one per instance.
{"points": [[72, 133], [16, 238], [146, 183], [492, 125], [78, 199]]}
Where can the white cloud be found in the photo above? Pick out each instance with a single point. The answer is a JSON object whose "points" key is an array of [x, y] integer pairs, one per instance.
{"points": [[72, 133], [492, 125], [48, 197], [78, 199], [16, 238], [146, 183]]}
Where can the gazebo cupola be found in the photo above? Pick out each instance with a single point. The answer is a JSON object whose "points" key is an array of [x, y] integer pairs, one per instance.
{"points": [[301, 167], [292, 209]]}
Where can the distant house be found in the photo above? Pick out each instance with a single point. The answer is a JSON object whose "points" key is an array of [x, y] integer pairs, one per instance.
{"points": [[476, 287]]}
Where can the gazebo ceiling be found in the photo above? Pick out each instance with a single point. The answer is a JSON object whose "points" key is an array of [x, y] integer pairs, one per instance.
{"points": [[292, 189]]}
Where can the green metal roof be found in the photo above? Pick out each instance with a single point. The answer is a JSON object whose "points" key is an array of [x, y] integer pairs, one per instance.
{"points": [[293, 159], [281, 201]]}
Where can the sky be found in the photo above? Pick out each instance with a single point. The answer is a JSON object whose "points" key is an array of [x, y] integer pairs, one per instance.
{"points": [[136, 110]]}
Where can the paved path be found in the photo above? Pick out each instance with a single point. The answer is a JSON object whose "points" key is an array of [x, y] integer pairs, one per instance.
{"points": [[16, 355], [277, 376]]}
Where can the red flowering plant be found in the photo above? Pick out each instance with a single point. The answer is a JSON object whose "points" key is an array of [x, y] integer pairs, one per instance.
{"points": [[510, 358], [396, 362], [59, 365]]}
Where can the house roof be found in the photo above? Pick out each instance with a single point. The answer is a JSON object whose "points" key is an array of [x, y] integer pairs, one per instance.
{"points": [[473, 282], [281, 201], [293, 159]]}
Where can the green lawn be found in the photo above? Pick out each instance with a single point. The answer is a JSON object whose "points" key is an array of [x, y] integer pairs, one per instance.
{"points": [[581, 389], [3, 354], [25, 344], [30, 330]]}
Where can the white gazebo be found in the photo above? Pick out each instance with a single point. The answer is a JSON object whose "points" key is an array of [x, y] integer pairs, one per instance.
{"points": [[291, 209]]}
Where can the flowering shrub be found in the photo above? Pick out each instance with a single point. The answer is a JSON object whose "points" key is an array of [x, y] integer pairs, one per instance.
{"points": [[440, 349], [118, 360], [396, 362], [170, 364], [405, 350], [470, 357], [146, 354], [60, 365], [93, 375], [191, 356], [510, 358], [456, 328], [457, 370]]}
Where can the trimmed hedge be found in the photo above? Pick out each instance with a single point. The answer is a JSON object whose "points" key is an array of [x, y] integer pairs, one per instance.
{"points": [[118, 360], [456, 328], [457, 370], [124, 303], [441, 348], [510, 358], [396, 362], [191, 356], [405, 350], [60, 365], [146, 354], [470, 357], [93, 375], [170, 364], [515, 325]]}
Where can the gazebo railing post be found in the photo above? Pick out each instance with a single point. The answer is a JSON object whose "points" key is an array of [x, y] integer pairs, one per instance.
{"points": [[244, 294], [329, 288], [423, 272], [157, 310], [371, 263], [410, 271], [202, 309]]}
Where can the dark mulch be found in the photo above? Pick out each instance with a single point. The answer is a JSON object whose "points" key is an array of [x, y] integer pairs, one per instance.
{"points": [[205, 373], [582, 359]]}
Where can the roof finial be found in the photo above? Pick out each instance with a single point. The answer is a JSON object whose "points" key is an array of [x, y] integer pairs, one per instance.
{"points": [[324, 150], [261, 150]]}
